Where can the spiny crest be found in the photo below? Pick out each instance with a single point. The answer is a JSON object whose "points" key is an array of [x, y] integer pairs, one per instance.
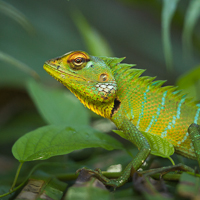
{"points": [[172, 91], [111, 61], [128, 73]]}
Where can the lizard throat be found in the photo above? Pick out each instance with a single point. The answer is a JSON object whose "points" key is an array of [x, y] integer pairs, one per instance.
{"points": [[100, 108]]}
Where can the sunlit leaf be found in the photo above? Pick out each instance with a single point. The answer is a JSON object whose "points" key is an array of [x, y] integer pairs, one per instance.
{"points": [[191, 17], [58, 106], [52, 140], [159, 146], [95, 42], [190, 83], [169, 7], [16, 15]]}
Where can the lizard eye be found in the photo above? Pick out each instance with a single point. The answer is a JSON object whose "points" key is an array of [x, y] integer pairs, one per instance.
{"points": [[77, 60]]}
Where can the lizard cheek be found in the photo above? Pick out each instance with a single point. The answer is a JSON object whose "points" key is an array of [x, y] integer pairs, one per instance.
{"points": [[106, 91]]}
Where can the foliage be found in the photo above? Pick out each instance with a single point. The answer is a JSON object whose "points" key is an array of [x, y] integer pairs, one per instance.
{"points": [[52, 122], [52, 140]]}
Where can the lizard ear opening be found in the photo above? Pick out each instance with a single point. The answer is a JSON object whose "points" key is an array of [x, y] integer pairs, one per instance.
{"points": [[103, 77], [116, 106]]}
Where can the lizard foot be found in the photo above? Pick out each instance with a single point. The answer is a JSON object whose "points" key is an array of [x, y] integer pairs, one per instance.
{"points": [[98, 174]]}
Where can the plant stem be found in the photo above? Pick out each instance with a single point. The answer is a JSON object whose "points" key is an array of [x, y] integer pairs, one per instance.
{"points": [[16, 176]]}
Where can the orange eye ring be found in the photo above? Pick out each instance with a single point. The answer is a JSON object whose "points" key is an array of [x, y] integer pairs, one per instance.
{"points": [[77, 60]]}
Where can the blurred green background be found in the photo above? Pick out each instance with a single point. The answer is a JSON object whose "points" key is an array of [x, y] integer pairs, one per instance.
{"points": [[32, 32], [131, 29]]}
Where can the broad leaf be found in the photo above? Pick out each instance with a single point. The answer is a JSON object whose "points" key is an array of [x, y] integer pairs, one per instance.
{"points": [[159, 146], [58, 106], [53, 140]]}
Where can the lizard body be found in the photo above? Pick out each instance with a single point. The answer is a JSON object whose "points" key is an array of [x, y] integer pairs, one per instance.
{"points": [[134, 103]]}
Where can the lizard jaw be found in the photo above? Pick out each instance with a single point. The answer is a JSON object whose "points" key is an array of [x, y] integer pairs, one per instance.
{"points": [[60, 74]]}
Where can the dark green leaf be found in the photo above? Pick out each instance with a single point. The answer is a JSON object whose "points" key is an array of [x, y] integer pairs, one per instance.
{"points": [[58, 106], [52, 140]]}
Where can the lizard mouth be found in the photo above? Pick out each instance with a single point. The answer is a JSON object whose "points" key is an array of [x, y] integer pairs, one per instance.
{"points": [[57, 72]]}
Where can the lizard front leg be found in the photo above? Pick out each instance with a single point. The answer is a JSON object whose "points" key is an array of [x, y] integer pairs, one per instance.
{"points": [[136, 137]]}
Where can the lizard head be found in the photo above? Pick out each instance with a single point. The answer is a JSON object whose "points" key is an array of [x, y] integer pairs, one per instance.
{"points": [[88, 77]]}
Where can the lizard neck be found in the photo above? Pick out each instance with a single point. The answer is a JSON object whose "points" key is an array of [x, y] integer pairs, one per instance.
{"points": [[100, 108]]}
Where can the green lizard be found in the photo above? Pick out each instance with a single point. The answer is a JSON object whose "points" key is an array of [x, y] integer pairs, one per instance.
{"points": [[137, 105]]}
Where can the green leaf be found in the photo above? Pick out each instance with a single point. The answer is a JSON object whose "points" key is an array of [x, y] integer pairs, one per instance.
{"points": [[192, 15], [58, 106], [52, 140], [95, 42], [169, 7], [159, 146], [190, 83]]}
